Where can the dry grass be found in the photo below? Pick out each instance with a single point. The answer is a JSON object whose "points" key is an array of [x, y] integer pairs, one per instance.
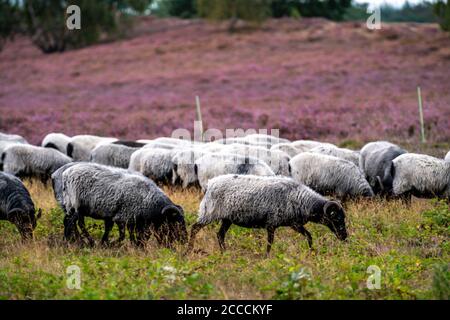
{"points": [[390, 235]]}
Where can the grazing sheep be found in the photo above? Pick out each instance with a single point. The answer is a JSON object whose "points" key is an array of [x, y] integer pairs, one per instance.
{"points": [[420, 175], [116, 155], [128, 143], [27, 161], [12, 138], [184, 166], [330, 175], [343, 153], [16, 205], [266, 202], [242, 140], [124, 197], [79, 148], [213, 165], [265, 139], [447, 157], [306, 145], [376, 161], [153, 163], [288, 148], [277, 160], [58, 141]]}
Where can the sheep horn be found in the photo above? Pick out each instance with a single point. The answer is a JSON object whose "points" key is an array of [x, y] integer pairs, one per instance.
{"points": [[381, 183], [170, 208]]}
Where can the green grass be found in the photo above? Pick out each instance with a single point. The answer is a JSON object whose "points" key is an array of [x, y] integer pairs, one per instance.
{"points": [[409, 245]]}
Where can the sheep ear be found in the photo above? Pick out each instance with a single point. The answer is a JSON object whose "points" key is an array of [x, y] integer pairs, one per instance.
{"points": [[330, 205]]}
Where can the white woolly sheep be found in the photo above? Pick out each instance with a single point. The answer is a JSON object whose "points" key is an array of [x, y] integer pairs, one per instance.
{"points": [[111, 154], [58, 141], [420, 175], [343, 153], [266, 202], [27, 161], [216, 164], [277, 160], [330, 175], [447, 157], [153, 163], [80, 147], [288, 148], [12, 138], [184, 166], [306, 145]]}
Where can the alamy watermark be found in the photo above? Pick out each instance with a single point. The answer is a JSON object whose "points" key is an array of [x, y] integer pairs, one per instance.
{"points": [[374, 20], [73, 21], [374, 280], [73, 281]]}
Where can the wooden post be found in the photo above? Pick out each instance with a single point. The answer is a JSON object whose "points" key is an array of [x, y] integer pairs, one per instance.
{"points": [[422, 129], [199, 115]]}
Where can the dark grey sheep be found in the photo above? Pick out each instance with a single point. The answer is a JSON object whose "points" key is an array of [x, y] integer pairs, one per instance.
{"points": [[266, 202], [376, 161], [111, 154], [16, 205], [124, 197]]}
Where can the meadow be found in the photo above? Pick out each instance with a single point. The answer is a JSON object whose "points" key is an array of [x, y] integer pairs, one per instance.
{"points": [[409, 245]]}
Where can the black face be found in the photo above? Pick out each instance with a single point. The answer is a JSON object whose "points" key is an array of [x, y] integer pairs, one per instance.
{"points": [[171, 228], [24, 221], [334, 218]]}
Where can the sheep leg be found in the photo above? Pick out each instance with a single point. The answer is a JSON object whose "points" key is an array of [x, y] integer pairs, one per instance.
{"points": [[302, 230], [270, 238], [121, 227], [70, 227], [109, 224], [131, 227], [194, 230], [84, 231], [406, 198], [226, 224]]}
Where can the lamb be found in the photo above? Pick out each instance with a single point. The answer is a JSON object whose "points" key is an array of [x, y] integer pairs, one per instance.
{"points": [[79, 148], [330, 175], [288, 148], [213, 165], [124, 197], [16, 205], [184, 166], [27, 161], [154, 163], [12, 138], [306, 145], [277, 160], [420, 175], [266, 202], [116, 155], [343, 153], [376, 161], [58, 141], [447, 157]]}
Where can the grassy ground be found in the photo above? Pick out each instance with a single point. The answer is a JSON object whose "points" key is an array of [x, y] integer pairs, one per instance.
{"points": [[409, 245]]}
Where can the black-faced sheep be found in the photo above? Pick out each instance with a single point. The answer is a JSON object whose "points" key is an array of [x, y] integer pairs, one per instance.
{"points": [[27, 161], [79, 148], [216, 164], [16, 205], [330, 175], [266, 202], [420, 175], [124, 197], [58, 141]]}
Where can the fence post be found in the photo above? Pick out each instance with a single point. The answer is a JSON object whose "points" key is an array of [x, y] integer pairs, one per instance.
{"points": [[422, 129]]}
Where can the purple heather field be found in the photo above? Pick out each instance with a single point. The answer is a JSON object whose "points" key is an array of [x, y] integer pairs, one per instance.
{"points": [[312, 79]]}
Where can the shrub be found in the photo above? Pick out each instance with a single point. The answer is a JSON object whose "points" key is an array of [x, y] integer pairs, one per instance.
{"points": [[442, 11]]}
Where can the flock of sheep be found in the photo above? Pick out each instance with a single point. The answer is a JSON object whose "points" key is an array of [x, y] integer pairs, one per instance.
{"points": [[255, 181]]}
